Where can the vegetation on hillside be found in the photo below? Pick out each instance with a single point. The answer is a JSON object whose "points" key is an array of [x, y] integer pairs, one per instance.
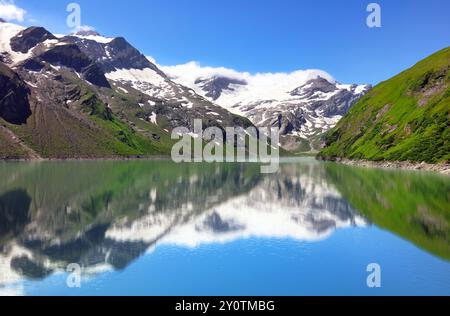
{"points": [[406, 118]]}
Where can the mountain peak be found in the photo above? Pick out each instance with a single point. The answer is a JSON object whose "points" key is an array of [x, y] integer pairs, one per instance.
{"points": [[2, 21], [91, 35], [318, 84], [29, 38], [87, 33], [215, 85]]}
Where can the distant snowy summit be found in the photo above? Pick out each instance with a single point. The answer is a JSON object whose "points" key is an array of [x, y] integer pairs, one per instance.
{"points": [[303, 104]]}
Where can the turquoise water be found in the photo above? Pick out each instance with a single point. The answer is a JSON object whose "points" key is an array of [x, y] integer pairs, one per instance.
{"points": [[158, 228]]}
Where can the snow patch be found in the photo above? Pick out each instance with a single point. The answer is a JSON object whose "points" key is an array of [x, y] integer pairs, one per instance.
{"points": [[8, 31], [96, 38], [30, 84], [153, 118], [133, 75], [123, 90]]}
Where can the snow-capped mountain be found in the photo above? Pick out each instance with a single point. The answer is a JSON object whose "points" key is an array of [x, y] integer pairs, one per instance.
{"points": [[303, 104], [97, 76], [126, 67], [213, 87]]}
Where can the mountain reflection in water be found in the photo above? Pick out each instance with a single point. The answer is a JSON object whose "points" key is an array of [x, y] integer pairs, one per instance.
{"points": [[104, 215]]}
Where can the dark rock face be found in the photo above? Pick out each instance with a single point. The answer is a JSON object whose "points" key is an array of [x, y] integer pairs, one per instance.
{"points": [[32, 65], [289, 121], [214, 86], [29, 38], [2, 21], [126, 56], [14, 103], [95, 50], [66, 55], [72, 57], [94, 74], [117, 54]]}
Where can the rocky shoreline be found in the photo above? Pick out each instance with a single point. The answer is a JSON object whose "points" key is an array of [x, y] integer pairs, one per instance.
{"points": [[442, 168]]}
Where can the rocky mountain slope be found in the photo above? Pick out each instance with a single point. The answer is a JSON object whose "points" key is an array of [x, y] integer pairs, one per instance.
{"points": [[303, 107], [404, 118], [88, 96]]}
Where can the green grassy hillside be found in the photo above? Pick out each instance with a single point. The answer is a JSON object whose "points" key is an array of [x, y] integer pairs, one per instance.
{"points": [[405, 118], [42, 124], [56, 132], [8, 148]]}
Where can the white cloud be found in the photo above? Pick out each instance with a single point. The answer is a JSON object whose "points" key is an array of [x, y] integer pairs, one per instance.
{"points": [[9, 11], [194, 70], [85, 28], [263, 86]]}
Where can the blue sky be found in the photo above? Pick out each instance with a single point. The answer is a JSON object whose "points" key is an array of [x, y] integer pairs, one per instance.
{"points": [[267, 35]]}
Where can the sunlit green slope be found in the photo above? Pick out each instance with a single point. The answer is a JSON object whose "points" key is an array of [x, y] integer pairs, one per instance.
{"points": [[404, 118]]}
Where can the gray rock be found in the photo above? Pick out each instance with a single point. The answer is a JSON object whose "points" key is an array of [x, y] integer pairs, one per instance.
{"points": [[213, 87], [14, 103], [29, 38]]}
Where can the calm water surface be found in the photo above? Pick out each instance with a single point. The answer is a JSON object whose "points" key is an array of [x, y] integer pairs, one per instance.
{"points": [[159, 228]]}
